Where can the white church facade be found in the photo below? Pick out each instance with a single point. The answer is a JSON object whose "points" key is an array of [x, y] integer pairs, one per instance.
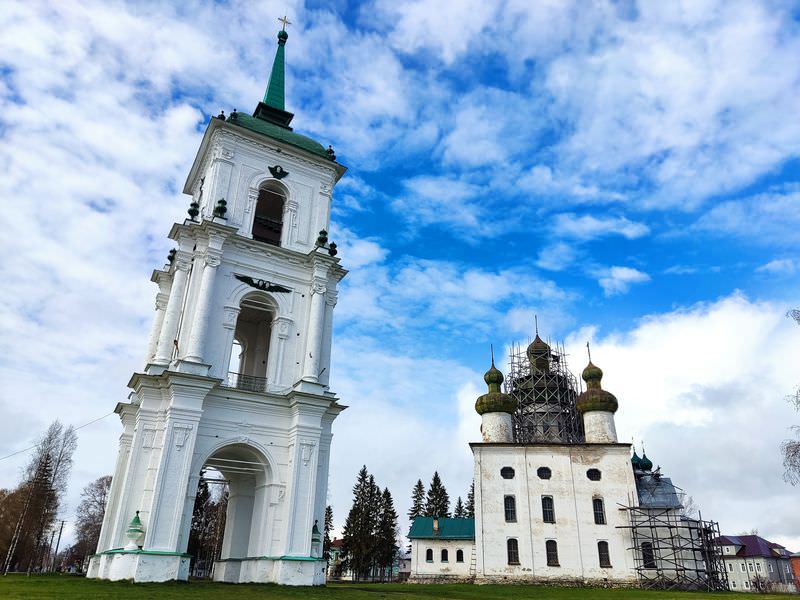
{"points": [[237, 368], [558, 499]]}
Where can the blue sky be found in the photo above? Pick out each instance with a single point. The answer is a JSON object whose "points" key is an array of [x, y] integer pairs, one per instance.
{"points": [[627, 171]]}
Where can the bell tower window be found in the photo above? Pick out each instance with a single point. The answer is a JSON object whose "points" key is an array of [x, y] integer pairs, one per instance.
{"points": [[250, 349], [268, 220]]}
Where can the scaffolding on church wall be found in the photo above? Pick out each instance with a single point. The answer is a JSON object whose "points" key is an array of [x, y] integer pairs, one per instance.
{"points": [[545, 391], [675, 552]]}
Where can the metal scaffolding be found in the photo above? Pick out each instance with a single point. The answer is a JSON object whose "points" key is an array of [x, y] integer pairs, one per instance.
{"points": [[676, 552], [545, 390]]}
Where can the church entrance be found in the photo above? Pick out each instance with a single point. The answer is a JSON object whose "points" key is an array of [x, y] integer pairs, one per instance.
{"points": [[230, 515]]}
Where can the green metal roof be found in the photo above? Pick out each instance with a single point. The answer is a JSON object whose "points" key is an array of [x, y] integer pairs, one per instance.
{"points": [[449, 529], [279, 133], [274, 94]]}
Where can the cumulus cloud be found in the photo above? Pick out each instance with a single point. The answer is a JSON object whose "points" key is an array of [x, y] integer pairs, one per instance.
{"points": [[618, 280], [779, 266], [704, 387], [556, 257], [587, 227]]}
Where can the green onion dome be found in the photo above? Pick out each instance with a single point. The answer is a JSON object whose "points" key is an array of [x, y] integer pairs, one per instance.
{"points": [[636, 462], [645, 464], [595, 397], [494, 400], [539, 354]]}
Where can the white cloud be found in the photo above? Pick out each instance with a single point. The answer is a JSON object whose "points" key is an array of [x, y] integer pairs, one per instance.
{"points": [[556, 257], [587, 227], [705, 388], [780, 266], [618, 280]]}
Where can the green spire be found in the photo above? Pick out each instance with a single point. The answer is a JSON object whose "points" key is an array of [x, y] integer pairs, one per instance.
{"points": [[274, 96]]}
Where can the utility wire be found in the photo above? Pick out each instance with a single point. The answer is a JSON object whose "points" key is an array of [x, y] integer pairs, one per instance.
{"points": [[29, 448]]}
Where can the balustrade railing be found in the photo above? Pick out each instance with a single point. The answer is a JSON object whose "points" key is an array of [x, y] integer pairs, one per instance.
{"points": [[249, 383]]}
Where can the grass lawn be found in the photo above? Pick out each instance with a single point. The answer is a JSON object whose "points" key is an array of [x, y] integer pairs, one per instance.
{"points": [[66, 587]]}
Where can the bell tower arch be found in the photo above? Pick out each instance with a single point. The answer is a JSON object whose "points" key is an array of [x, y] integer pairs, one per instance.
{"points": [[238, 360]]}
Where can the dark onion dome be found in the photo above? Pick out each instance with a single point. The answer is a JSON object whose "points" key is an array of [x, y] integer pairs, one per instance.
{"points": [[645, 464], [495, 400], [636, 462], [595, 397], [539, 354]]}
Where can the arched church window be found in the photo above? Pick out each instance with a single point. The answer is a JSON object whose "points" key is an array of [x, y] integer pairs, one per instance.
{"points": [[648, 556], [459, 556], [552, 553], [544, 473], [444, 554], [268, 220], [507, 473], [548, 510], [250, 348], [593, 474], [603, 555], [599, 511], [512, 548], [429, 555], [510, 506]]}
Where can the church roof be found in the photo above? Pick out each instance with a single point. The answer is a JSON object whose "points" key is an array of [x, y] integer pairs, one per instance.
{"points": [[449, 529], [276, 132], [656, 492]]}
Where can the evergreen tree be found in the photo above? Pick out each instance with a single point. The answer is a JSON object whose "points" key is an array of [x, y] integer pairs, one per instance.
{"points": [[386, 536], [326, 540], [437, 502], [417, 501], [459, 512], [470, 507], [358, 535]]}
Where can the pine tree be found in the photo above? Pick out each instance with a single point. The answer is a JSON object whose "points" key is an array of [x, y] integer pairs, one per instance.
{"points": [[417, 501], [386, 537], [326, 540], [459, 512], [437, 502], [358, 535], [470, 507]]}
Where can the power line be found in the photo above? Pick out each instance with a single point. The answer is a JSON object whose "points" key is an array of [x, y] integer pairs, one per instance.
{"points": [[29, 448]]}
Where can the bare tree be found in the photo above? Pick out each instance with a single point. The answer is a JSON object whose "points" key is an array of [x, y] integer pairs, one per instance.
{"points": [[791, 448], [44, 483], [89, 517]]}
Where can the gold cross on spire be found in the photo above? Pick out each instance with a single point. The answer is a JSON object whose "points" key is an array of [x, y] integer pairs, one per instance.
{"points": [[285, 21]]}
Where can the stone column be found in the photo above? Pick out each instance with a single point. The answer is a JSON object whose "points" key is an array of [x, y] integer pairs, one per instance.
{"points": [[197, 338], [277, 349], [172, 314], [316, 323]]}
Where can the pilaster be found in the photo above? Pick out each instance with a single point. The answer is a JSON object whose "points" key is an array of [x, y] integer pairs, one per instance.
{"points": [[172, 315]]}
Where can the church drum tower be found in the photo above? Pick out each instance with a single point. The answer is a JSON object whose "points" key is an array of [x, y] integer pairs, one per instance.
{"points": [[238, 363]]}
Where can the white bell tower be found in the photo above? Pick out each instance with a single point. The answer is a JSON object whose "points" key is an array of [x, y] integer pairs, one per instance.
{"points": [[238, 363]]}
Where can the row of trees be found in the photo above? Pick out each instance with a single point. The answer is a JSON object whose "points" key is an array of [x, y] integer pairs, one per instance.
{"points": [[436, 502], [369, 537]]}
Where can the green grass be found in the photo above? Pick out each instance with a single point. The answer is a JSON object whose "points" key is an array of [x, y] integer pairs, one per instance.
{"points": [[66, 587]]}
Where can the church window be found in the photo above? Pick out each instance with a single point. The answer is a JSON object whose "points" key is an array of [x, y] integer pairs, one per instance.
{"points": [[648, 557], [750, 566], [603, 555], [548, 510], [599, 511], [730, 567], [444, 554], [513, 551], [543, 473], [552, 553], [268, 220], [747, 584], [758, 567], [741, 568], [428, 555], [459, 556], [593, 474], [733, 583], [510, 505], [507, 473]]}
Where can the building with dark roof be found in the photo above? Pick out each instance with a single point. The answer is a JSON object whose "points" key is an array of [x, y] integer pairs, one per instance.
{"points": [[757, 565]]}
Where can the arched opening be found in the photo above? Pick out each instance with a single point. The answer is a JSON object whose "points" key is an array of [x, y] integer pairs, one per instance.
{"points": [[250, 349], [268, 219], [208, 522], [237, 476]]}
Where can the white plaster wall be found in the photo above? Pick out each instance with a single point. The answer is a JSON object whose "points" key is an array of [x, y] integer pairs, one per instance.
{"points": [[574, 530], [420, 567], [599, 427], [497, 427]]}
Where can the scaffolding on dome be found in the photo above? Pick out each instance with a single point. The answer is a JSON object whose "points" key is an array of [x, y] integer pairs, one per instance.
{"points": [[545, 391], [674, 552]]}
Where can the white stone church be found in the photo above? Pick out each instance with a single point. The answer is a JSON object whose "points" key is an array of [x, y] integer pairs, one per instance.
{"points": [[236, 372], [558, 499]]}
